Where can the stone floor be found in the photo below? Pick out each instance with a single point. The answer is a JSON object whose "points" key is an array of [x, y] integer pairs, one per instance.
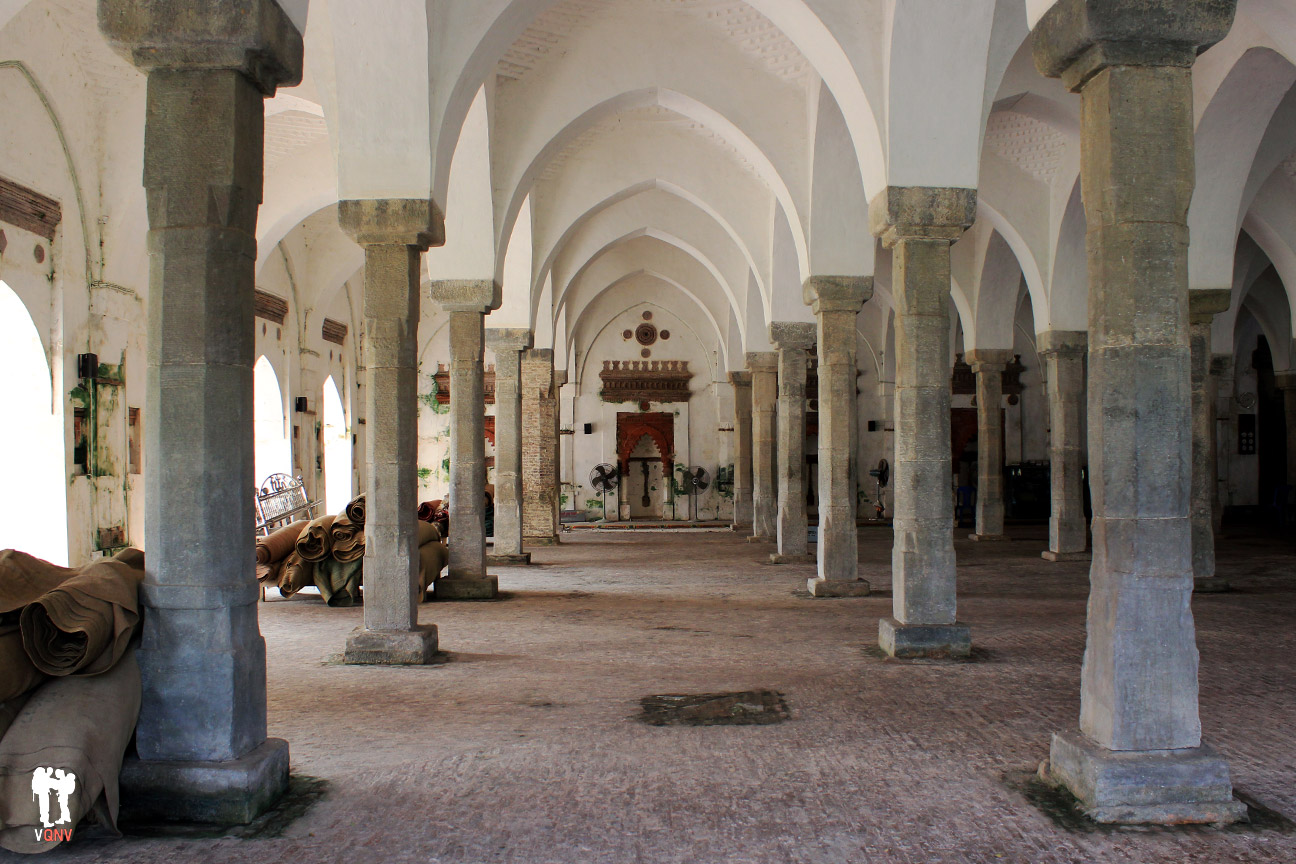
{"points": [[524, 748]]}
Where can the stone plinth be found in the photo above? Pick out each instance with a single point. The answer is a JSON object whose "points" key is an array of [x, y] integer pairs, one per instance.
{"points": [[916, 641], [414, 647], [820, 587], [1063, 352], [764, 372]]}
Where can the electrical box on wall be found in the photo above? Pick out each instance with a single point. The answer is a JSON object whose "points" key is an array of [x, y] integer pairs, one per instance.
{"points": [[1246, 434], [589, 428], [87, 365], [300, 404]]}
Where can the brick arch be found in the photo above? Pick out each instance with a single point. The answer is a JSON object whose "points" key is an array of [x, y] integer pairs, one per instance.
{"points": [[631, 428]]}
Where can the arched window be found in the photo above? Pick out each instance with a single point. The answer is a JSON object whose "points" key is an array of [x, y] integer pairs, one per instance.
{"points": [[337, 451], [273, 449], [33, 506]]}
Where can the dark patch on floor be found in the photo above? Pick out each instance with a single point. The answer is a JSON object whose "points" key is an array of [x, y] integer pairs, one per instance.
{"points": [[303, 792], [749, 708], [979, 655]]}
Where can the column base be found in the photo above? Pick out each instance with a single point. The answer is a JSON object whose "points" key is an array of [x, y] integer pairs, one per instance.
{"points": [[990, 538], [793, 558], [1050, 555], [509, 559], [911, 641], [466, 589], [739, 527], [756, 538], [417, 647], [1211, 585], [1134, 787], [837, 587], [209, 793], [541, 541]]}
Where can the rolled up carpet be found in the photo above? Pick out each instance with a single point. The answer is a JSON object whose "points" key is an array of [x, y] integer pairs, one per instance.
{"points": [[355, 511], [347, 539], [24, 578], [17, 672], [315, 543], [295, 575], [78, 726], [131, 556], [432, 560], [277, 544], [426, 511], [428, 533], [339, 581], [82, 626], [9, 712]]}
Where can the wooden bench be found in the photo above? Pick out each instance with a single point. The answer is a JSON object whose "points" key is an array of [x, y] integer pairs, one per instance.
{"points": [[281, 500]]}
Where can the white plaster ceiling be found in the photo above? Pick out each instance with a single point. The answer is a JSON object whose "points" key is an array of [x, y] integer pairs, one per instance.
{"points": [[755, 34], [289, 131], [1031, 145], [107, 75]]}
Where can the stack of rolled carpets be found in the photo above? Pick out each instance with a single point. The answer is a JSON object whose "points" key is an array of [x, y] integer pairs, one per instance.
{"points": [[355, 511], [273, 550], [347, 540], [316, 542], [432, 556]]}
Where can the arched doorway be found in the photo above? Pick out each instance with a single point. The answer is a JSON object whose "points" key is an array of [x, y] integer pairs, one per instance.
{"points": [[33, 508], [645, 482], [273, 449], [337, 451]]}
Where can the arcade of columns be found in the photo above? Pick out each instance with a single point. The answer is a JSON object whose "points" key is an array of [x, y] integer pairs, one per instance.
{"points": [[1137, 752]]}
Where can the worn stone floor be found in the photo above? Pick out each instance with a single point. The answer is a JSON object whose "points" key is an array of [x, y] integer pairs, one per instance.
{"points": [[523, 748]]}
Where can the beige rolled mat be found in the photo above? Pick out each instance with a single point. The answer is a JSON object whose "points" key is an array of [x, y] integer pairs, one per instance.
{"points": [[355, 511], [131, 556], [82, 627], [348, 540], [276, 545], [428, 533], [432, 560], [295, 575], [315, 543], [76, 725], [24, 578], [339, 581], [17, 672]]}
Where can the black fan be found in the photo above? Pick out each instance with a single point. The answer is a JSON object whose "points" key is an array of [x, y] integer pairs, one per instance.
{"points": [[698, 480], [603, 479], [882, 474]]}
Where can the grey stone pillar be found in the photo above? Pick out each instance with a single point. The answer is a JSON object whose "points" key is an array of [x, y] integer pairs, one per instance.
{"points": [[1063, 352], [988, 364], [394, 234], [836, 301], [1222, 384], [1138, 755], [1286, 382], [918, 224], [764, 372], [794, 340], [742, 480], [467, 301], [539, 449], [203, 751], [1203, 306], [507, 343]]}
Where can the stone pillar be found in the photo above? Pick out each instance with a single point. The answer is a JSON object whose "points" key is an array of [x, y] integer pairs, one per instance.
{"points": [[1138, 754], [764, 372], [394, 234], [1286, 382], [467, 301], [836, 301], [742, 480], [507, 345], [539, 449], [988, 364], [1203, 306], [793, 340], [203, 751], [918, 224], [1222, 383], [1063, 352]]}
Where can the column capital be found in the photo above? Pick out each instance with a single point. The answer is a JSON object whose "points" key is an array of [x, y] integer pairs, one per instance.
{"points": [[837, 293], [1077, 39], [792, 334], [1205, 303], [413, 222], [740, 379], [1063, 343], [508, 339], [762, 361], [988, 359], [467, 295], [921, 213], [254, 37], [559, 378], [1285, 380]]}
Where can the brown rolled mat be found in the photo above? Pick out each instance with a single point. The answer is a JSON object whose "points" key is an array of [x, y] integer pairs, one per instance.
{"points": [[426, 511], [77, 725], [314, 544], [269, 574], [339, 581], [428, 533], [432, 560], [347, 539], [17, 672], [24, 578], [355, 511], [131, 556], [82, 627], [295, 575], [276, 545]]}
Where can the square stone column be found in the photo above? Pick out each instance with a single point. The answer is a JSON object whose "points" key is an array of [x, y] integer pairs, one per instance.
{"points": [[539, 449], [1138, 754], [836, 301], [918, 224], [1203, 306], [764, 372], [1222, 384], [507, 345], [989, 364], [394, 234], [1063, 352], [1286, 382], [467, 301], [794, 340], [203, 751], [742, 488]]}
